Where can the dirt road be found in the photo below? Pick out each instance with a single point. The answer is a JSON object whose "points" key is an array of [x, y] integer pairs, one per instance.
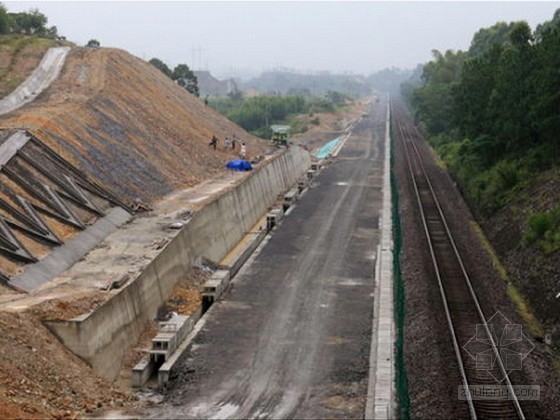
{"points": [[291, 339]]}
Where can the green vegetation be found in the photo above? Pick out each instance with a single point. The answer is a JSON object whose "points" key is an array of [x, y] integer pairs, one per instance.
{"points": [[544, 229], [258, 113], [13, 46], [181, 74], [32, 22], [523, 307], [93, 43], [21, 34], [492, 112]]}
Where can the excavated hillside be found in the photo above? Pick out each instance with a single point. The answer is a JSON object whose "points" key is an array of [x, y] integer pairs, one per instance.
{"points": [[535, 272], [127, 128], [125, 124], [19, 56]]}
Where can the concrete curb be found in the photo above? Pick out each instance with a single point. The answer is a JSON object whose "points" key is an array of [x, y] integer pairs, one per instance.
{"points": [[380, 400], [340, 145]]}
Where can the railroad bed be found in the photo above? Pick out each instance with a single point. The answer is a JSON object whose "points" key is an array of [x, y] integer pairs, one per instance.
{"points": [[464, 315]]}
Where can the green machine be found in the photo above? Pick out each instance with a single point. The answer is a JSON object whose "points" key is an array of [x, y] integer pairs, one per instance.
{"points": [[280, 134]]}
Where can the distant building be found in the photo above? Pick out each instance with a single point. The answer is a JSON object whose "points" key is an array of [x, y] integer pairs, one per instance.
{"points": [[209, 85]]}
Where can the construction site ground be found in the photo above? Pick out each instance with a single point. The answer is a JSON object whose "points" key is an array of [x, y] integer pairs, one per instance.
{"points": [[39, 376], [291, 337]]}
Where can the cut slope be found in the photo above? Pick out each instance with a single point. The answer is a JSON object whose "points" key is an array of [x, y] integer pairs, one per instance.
{"points": [[534, 272], [45, 73], [19, 56], [127, 125]]}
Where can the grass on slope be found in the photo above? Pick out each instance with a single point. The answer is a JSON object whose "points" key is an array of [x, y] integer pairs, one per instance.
{"points": [[19, 56]]}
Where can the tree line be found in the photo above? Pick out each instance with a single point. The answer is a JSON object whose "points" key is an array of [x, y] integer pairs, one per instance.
{"points": [[493, 112], [181, 74], [32, 22], [257, 114]]}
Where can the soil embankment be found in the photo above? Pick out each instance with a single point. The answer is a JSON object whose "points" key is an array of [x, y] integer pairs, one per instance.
{"points": [[125, 124], [19, 56]]}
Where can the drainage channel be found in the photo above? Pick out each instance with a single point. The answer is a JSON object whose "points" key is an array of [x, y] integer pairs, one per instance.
{"points": [[176, 334]]}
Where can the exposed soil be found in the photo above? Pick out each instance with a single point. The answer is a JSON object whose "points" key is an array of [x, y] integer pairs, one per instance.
{"points": [[185, 299], [19, 56], [131, 129], [330, 126], [126, 125], [428, 355], [40, 378]]}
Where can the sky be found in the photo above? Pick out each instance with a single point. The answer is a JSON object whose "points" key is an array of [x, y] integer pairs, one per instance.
{"points": [[232, 38]]}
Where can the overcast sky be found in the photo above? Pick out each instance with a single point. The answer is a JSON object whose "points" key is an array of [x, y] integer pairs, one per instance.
{"points": [[224, 37]]}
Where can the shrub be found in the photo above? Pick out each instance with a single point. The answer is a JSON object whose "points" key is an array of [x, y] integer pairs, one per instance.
{"points": [[544, 229], [539, 224]]}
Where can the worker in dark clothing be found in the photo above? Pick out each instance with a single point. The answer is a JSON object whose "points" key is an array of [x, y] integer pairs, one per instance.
{"points": [[214, 142]]}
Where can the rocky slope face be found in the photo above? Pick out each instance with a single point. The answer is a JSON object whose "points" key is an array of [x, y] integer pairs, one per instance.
{"points": [[535, 272]]}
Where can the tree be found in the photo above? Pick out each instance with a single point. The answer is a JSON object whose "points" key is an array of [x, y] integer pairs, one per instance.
{"points": [[548, 26], [93, 43], [520, 34], [161, 66], [433, 102], [184, 77], [29, 23], [5, 20], [484, 39]]}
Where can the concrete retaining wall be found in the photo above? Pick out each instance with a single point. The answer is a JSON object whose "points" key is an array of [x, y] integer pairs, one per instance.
{"points": [[101, 336]]}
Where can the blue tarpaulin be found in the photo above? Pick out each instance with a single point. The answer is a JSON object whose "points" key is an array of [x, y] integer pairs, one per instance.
{"points": [[239, 165], [325, 151]]}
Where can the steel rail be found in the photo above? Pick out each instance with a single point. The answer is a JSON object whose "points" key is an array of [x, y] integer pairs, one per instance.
{"points": [[409, 145]]}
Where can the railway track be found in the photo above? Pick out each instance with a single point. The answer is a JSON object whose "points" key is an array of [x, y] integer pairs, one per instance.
{"points": [[462, 309]]}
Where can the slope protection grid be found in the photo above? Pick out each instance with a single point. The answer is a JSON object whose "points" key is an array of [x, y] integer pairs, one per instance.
{"points": [[120, 126], [129, 127]]}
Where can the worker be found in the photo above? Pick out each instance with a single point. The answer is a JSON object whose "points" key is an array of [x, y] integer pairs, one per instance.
{"points": [[243, 150], [214, 142]]}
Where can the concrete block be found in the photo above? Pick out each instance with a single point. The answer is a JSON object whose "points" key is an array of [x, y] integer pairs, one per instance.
{"points": [[142, 372], [311, 174]]}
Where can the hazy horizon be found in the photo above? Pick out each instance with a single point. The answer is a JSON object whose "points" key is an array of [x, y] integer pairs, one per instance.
{"points": [[233, 38]]}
